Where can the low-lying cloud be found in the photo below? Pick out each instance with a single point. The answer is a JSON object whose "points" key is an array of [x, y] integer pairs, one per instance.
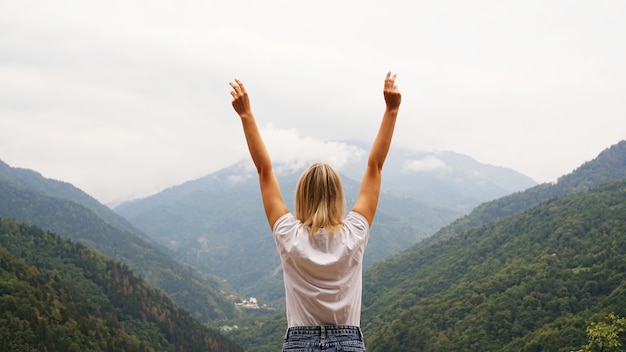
{"points": [[292, 152], [425, 164]]}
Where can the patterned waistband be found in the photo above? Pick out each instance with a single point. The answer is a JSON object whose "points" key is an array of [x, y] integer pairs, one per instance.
{"points": [[324, 330]]}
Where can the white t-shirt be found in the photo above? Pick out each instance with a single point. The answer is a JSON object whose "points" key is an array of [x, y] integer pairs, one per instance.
{"points": [[322, 272]]}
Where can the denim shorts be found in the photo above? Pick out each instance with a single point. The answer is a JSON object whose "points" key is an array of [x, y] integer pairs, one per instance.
{"points": [[328, 338]]}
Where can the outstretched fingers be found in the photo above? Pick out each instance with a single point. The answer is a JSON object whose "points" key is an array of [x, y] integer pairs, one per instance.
{"points": [[241, 102], [391, 93], [390, 81], [238, 88]]}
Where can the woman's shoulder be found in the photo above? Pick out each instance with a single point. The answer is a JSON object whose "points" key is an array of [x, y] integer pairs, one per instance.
{"points": [[286, 221], [355, 218]]}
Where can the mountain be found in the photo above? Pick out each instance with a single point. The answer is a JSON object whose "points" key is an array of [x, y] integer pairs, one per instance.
{"points": [[524, 272], [609, 165], [217, 221], [443, 178], [35, 182], [528, 282], [57, 295], [52, 205]]}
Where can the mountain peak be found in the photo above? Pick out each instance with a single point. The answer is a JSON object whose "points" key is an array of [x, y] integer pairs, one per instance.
{"points": [[610, 164]]}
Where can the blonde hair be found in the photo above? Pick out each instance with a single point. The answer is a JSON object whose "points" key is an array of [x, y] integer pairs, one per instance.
{"points": [[319, 198]]}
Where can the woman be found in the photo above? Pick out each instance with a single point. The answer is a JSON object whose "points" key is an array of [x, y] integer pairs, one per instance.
{"points": [[321, 250]]}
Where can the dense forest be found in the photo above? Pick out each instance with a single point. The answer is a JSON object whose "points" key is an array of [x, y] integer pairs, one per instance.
{"points": [[57, 295], [529, 282]]}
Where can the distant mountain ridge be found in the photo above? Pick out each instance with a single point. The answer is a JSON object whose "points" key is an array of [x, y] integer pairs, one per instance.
{"points": [[34, 181], [58, 207], [217, 221], [443, 178], [609, 165]]}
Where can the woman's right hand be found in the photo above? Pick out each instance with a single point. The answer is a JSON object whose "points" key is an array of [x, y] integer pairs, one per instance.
{"points": [[241, 102]]}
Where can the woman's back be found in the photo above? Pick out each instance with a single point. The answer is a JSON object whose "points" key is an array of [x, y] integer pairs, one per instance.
{"points": [[322, 272]]}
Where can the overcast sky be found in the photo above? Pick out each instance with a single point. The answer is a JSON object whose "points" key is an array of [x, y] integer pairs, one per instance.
{"points": [[125, 98]]}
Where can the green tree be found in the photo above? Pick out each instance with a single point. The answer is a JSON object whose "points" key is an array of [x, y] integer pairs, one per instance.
{"points": [[605, 336]]}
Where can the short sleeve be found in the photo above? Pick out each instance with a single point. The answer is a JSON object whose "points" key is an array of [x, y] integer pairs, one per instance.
{"points": [[285, 231], [284, 222], [357, 220]]}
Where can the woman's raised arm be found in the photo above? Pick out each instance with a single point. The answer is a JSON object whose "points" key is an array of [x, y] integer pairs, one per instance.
{"points": [[270, 190], [369, 192]]}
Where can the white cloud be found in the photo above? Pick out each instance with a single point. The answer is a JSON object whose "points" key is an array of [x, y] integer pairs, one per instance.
{"points": [[125, 98], [292, 152], [425, 164]]}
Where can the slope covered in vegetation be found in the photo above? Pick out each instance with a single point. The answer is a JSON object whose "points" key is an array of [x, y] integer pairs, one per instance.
{"points": [[527, 282], [57, 295]]}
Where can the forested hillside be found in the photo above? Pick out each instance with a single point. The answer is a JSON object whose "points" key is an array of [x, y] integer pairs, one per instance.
{"points": [[57, 295], [529, 282], [35, 182], [193, 290]]}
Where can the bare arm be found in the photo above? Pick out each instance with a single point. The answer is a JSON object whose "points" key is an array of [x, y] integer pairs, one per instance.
{"points": [[270, 190], [367, 200]]}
